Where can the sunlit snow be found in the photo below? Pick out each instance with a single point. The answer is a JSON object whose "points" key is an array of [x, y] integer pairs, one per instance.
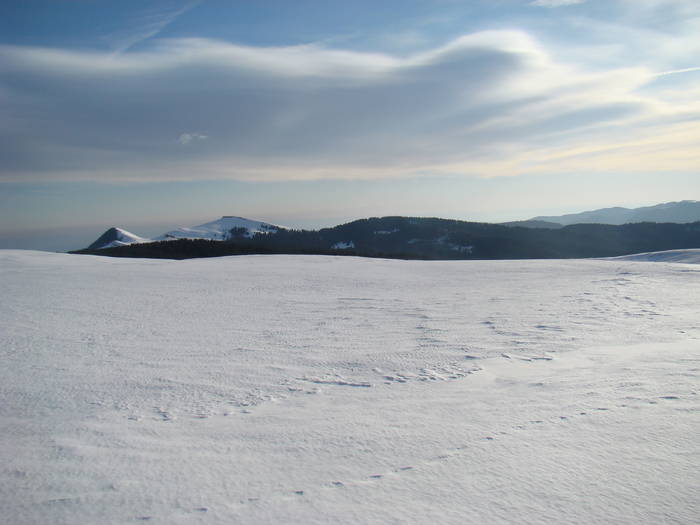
{"points": [[310, 389], [219, 229]]}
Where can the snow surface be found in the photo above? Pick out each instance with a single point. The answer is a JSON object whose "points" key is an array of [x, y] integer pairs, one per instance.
{"points": [[678, 256], [309, 389], [219, 230]]}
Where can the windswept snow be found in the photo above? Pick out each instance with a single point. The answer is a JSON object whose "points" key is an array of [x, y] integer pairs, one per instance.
{"points": [[219, 230], [309, 389], [677, 256]]}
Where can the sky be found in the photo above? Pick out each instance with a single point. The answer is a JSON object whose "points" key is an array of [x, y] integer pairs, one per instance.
{"points": [[309, 113]]}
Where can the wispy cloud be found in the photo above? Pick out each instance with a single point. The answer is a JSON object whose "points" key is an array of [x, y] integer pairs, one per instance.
{"points": [[147, 25], [488, 103], [677, 71]]}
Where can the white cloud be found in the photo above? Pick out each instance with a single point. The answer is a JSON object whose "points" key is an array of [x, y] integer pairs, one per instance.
{"points": [[489, 103], [555, 3]]}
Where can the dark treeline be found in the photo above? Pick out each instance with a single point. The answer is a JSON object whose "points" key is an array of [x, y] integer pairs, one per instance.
{"points": [[431, 238]]}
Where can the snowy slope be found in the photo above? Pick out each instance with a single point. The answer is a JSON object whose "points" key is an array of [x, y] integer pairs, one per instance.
{"points": [[677, 256], [219, 229], [308, 389], [116, 237]]}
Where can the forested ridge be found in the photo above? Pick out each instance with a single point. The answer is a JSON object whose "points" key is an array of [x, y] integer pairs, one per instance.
{"points": [[433, 238]]}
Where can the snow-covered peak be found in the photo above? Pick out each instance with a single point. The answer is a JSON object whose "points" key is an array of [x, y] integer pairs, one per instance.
{"points": [[227, 227], [221, 229], [116, 237]]}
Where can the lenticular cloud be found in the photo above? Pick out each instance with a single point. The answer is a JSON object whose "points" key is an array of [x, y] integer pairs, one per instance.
{"points": [[489, 103]]}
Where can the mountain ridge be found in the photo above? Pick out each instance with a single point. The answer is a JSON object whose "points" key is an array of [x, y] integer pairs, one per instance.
{"points": [[678, 212], [429, 238], [432, 238], [225, 228]]}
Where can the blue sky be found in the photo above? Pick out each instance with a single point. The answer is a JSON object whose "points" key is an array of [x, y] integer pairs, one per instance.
{"points": [[152, 115]]}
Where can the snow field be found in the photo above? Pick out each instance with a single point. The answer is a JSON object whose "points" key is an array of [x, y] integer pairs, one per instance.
{"points": [[293, 389]]}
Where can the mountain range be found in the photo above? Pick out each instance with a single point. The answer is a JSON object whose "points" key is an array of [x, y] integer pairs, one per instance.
{"points": [[406, 238], [680, 212], [229, 227], [226, 228]]}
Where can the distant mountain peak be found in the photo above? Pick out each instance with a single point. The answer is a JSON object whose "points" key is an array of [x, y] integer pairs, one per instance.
{"points": [[225, 228], [116, 237], [221, 229]]}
